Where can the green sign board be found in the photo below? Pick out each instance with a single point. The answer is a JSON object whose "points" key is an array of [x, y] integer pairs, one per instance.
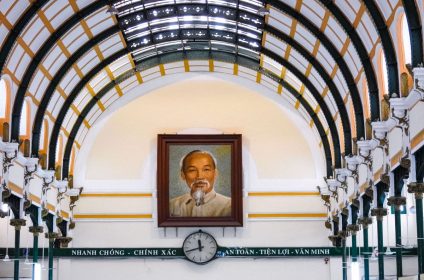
{"points": [[223, 252]]}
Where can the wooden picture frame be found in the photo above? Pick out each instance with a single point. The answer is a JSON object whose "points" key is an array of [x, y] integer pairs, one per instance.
{"points": [[185, 199]]}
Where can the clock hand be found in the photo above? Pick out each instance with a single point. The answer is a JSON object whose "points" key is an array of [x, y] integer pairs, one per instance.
{"points": [[197, 248], [200, 245]]}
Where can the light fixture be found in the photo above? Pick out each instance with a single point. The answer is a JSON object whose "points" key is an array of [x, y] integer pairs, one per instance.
{"points": [[262, 11], [412, 209], [112, 10]]}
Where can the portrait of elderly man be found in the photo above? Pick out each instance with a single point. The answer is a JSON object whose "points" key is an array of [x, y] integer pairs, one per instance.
{"points": [[199, 170]]}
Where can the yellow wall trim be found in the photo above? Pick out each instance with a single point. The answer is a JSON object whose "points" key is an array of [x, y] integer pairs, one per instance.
{"points": [[113, 216], [418, 139], [116, 195], [287, 215], [282, 193]]}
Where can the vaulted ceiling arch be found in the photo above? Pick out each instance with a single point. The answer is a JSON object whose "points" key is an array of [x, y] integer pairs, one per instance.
{"points": [[77, 126], [316, 98]]}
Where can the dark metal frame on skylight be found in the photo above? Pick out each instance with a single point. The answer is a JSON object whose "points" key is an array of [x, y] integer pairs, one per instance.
{"points": [[155, 28]]}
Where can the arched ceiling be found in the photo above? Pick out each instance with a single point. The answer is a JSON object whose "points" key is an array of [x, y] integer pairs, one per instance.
{"points": [[72, 59]]}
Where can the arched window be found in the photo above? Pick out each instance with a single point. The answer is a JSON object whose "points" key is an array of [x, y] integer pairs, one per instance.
{"points": [[24, 124], [44, 136], [406, 41], [383, 75], [59, 150]]}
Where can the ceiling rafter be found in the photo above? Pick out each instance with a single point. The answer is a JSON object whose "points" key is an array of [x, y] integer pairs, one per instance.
{"points": [[288, 65], [71, 97], [388, 47], [359, 116], [415, 31], [39, 116], [38, 58], [13, 35], [363, 55]]}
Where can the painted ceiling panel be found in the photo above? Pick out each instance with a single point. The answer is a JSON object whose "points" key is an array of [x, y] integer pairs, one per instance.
{"points": [[80, 97], [251, 73], [98, 78], [368, 42], [127, 82], [349, 8], [3, 33], [331, 104], [314, 16], [298, 60], [385, 8], [354, 56], [314, 8], [67, 118], [340, 83], [6, 6], [73, 34], [112, 49], [26, 59], [276, 48], [101, 83], [39, 90], [58, 63], [108, 99], [97, 27], [39, 40], [92, 116], [269, 83], [54, 8], [85, 98], [336, 39], [369, 24], [58, 19], [272, 20], [69, 80], [53, 101], [318, 78], [79, 38], [57, 106], [51, 57], [15, 12], [352, 66], [14, 60], [305, 38], [323, 58], [82, 3], [88, 62], [111, 41], [308, 97]]}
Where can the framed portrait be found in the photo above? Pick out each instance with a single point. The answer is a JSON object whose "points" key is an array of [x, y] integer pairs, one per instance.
{"points": [[199, 181]]}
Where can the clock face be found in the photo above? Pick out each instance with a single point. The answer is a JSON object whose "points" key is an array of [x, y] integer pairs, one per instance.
{"points": [[200, 247]]}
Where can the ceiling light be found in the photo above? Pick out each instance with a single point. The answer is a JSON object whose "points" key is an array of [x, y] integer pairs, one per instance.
{"points": [[112, 10], [263, 11], [5, 208]]}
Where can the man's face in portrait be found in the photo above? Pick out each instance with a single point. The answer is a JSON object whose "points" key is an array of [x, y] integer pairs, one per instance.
{"points": [[199, 172]]}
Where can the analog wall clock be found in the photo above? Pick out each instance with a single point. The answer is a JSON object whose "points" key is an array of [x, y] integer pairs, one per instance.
{"points": [[200, 247]]}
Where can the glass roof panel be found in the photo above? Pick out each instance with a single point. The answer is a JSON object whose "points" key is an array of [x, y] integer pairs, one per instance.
{"points": [[156, 27]]}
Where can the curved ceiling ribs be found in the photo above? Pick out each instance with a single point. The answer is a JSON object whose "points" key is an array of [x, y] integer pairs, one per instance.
{"points": [[415, 31], [388, 48], [360, 131], [70, 99], [416, 45], [17, 29], [48, 45], [41, 110], [128, 74], [363, 55]]}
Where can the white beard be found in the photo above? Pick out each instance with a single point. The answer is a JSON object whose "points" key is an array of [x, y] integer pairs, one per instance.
{"points": [[199, 195]]}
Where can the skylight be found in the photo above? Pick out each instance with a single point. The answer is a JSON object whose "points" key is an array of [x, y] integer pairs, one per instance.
{"points": [[158, 27]]}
